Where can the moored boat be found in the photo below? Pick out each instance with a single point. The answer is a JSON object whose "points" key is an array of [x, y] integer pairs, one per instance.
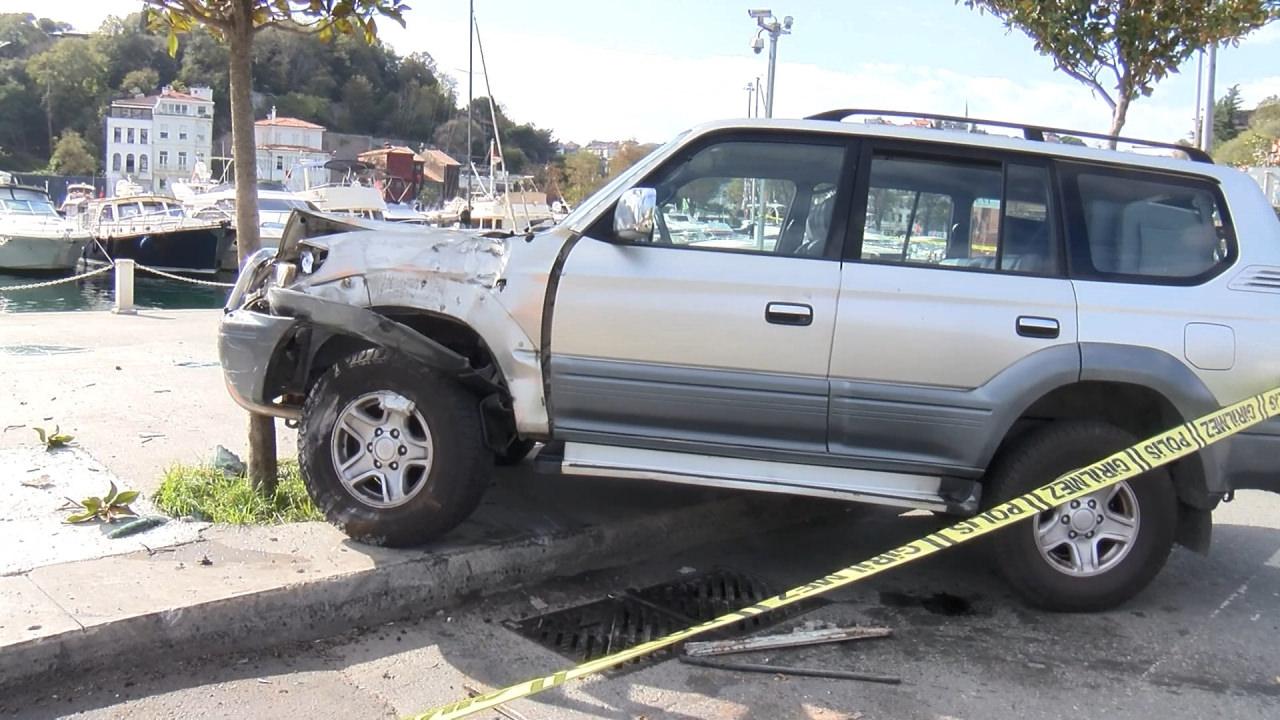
{"points": [[33, 236], [155, 231]]}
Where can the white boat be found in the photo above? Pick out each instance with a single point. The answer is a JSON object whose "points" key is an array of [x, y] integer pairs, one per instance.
{"points": [[355, 194], [155, 231], [275, 204], [33, 236]]}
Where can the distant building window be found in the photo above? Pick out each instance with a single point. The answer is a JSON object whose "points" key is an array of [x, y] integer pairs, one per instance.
{"points": [[162, 183], [182, 160], [142, 164], [130, 136], [163, 158], [164, 132], [128, 163], [142, 136], [115, 162], [279, 162], [201, 110], [199, 137], [182, 133], [115, 135]]}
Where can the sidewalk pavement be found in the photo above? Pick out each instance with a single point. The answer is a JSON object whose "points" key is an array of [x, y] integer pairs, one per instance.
{"points": [[72, 600]]}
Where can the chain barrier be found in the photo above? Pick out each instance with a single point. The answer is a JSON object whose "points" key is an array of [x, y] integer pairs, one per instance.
{"points": [[59, 281], [193, 281]]}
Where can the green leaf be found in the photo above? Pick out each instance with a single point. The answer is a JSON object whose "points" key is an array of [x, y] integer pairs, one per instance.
{"points": [[110, 497], [91, 503], [81, 517], [40, 432], [126, 497]]}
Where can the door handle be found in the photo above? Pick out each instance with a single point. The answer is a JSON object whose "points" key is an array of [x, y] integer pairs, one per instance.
{"points": [[780, 313], [1038, 327]]}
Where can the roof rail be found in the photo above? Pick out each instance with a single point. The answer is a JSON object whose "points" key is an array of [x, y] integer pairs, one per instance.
{"points": [[1030, 132]]}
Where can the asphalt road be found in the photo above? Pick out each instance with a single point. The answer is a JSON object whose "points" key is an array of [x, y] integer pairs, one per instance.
{"points": [[1200, 642]]}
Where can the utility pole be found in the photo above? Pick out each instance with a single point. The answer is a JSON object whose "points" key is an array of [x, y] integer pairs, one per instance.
{"points": [[776, 29], [1206, 134], [1199, 127]]}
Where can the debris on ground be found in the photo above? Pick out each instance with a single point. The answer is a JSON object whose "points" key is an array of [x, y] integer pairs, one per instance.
{"points": [[136, 526], [105, 508], [538, 603], [797, 638], [787, 670], [504, 712], [39, 483], [53, 439], [228, 462]]}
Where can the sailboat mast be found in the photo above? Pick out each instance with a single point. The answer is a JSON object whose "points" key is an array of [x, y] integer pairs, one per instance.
{"points": [[471, 44]]}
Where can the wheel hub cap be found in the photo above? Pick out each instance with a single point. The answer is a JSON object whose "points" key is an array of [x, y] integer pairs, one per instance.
{"points": [[1091, 534], [382, 449]]}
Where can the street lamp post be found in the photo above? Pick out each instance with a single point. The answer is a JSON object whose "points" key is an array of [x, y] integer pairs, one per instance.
{"points": [[776, 29]]}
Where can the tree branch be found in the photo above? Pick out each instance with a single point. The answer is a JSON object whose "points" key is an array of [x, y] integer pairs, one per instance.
{"points": [[1092, 82]]}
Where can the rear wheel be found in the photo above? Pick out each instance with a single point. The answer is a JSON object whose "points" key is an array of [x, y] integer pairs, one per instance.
{"points": [[1095, 551], [390, 451]]}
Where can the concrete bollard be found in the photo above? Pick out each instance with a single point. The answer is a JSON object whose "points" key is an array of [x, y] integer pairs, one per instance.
{"points": [[124, 287]]}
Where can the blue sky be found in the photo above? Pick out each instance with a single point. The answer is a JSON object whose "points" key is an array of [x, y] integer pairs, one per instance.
{"points": [[645, 70]]}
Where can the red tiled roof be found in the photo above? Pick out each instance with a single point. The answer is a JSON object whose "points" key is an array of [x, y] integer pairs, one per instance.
{"points": [[288, 122]]}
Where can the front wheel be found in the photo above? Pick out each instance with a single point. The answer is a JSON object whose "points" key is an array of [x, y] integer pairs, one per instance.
{"points": [[1091, 553], [390, 451]]}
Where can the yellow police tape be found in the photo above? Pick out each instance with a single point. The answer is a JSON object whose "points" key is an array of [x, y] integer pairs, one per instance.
{"points": [[1162, 449]]}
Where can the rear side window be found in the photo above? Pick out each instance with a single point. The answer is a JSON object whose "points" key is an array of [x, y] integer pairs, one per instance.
{"points": [[1139, 226], [957, 213]]}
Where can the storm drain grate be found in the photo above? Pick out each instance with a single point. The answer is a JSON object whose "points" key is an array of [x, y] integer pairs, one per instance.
{"points": [[624, 620]]}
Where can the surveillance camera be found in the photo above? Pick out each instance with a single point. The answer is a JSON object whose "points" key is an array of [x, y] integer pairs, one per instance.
{"points": [[757, 44], [757, 14], [787, 21]]}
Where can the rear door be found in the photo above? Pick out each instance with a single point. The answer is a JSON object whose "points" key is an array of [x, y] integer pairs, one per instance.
{"points": [[953, 306], [715, 335]]}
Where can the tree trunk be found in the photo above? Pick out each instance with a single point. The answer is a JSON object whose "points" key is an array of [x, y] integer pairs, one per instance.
{"points": [[1117, 118], [262, 428]]}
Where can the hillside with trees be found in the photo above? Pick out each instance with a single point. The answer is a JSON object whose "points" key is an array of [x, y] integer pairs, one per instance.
{"points": [[56, 87]]}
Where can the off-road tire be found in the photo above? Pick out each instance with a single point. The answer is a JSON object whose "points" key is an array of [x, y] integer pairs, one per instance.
{"points": [[1038, 458], [460, 469]]}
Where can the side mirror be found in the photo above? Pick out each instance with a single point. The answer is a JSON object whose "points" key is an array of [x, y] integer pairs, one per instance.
{"points": [[633, 216]]}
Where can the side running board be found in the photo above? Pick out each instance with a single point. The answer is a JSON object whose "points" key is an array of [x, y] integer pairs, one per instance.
{"points": [[943, 494]]}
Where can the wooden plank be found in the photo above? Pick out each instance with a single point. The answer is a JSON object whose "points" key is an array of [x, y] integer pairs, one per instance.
{"points": [[794, 639]]}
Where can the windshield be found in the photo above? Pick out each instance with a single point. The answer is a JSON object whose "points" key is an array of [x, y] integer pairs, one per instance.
{"points": [[280, 204], [26, 202], [586, 208]]}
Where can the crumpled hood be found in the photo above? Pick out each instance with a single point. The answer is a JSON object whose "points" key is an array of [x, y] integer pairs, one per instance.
{"points": [[379, 249]]}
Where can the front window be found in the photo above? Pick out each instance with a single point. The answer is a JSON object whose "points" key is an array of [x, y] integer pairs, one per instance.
{"points": [[754, 196], [142, 164], [279, 163], [128, 163], [129, 135], [163, 158], [115, 162], [182, 160], [182, 133], [117, 135], [142, 136]]}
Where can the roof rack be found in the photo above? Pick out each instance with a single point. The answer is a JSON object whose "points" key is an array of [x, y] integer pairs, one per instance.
{"points": [[1030, 132]]}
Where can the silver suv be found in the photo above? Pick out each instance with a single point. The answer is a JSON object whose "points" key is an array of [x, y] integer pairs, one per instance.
{"points": [[905, 316]]}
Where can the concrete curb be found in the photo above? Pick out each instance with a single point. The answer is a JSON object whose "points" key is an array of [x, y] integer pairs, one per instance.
{"points": [[399, 586]]}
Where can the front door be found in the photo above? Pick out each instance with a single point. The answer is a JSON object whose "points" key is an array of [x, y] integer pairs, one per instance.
{"points": [[715, 335], [953, 308]]}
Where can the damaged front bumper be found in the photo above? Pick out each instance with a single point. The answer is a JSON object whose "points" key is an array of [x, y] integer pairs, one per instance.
{"points": [[248, 341]]}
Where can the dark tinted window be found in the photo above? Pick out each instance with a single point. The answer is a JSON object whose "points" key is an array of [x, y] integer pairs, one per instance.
{"points": [[1146, 225], [959, 214]]}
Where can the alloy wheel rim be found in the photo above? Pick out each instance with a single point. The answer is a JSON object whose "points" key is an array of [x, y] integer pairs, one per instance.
{"points": [[1090, 535], [382, 449]]}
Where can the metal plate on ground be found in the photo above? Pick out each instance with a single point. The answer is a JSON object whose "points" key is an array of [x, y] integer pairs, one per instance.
{"points": [[629, 618]]}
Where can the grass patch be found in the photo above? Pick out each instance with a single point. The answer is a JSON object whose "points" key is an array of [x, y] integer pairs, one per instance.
{"points": [[205, 492]]}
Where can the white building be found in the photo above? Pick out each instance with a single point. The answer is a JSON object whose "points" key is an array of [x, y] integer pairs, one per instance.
{"points": [[156, 139], [290, 151]]}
